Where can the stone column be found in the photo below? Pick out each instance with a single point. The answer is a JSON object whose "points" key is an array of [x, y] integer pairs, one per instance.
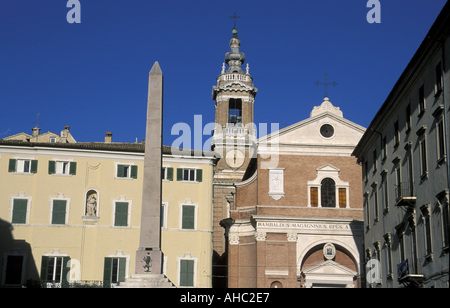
{"points": [[149, 255]]}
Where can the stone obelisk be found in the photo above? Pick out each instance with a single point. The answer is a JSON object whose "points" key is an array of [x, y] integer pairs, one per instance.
{"points": [[149, 255]]}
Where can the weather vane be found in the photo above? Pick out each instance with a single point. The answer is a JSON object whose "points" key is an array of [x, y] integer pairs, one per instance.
{"points": [[235, 17], [326, 84]]}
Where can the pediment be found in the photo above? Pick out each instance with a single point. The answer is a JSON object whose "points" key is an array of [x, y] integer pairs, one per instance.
{"points": [[328, 168], [307, 133], [330, 267]]}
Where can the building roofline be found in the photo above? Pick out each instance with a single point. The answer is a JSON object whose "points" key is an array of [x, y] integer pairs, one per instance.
{"points": [[438, 31], [113, 147]]}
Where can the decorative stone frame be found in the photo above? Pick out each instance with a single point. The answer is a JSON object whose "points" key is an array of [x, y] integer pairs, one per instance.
{"points": [[328, 171]]}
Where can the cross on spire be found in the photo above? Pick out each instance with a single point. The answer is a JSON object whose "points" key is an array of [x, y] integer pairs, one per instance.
{"points": [[235, 17], [325, 84]]}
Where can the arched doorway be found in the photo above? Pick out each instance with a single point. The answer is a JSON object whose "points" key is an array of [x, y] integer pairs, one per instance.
{"points": [[329, 265]]}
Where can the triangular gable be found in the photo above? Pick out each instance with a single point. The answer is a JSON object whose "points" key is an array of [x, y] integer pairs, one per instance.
{"points": [[328, 168], [329, 267], [305, 137]]}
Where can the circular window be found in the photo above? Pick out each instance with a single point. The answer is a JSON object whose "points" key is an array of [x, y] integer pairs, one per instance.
{"points": [[327, 131]]}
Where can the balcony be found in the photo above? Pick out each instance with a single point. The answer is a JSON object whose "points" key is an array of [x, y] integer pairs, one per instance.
{"points": [[404, 194], [405, 277]]}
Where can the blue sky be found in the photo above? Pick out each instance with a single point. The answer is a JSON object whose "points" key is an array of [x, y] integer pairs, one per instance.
{"points": [[93, 75]]}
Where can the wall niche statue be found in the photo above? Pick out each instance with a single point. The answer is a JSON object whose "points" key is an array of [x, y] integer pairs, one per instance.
{"points": [[91, 208]]}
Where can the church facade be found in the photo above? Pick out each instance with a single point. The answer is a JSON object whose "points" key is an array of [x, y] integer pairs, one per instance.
{"points": [[290, 203]]}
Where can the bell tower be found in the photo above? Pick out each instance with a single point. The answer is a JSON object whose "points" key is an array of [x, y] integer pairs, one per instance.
{"points": [[234, 142], [234, 137]]}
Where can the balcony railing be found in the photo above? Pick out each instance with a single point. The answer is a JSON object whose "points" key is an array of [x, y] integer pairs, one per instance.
{"points": [[409, 273], [405, 195]]}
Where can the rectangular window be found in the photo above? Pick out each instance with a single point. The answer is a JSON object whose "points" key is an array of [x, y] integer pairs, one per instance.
{"points": [[127, 171], [396, 134], [186, 273], [23, 165], [443, 204], [121, 214], [114, 270], [167, 173], [425, 209], [314, 196], [384, 151], [427, 226], [423, 157], [367, 209], [375, 202], [438, 87], [422, 104], [235, 111], [188, 217], [440, 135], [55, 268], [387, 239], [375, 165], [189, 175], [13, 270], [408, 118], [62, 167], [398, 181], [19, 215], [385, 193], [342, 197], [59, 212]]}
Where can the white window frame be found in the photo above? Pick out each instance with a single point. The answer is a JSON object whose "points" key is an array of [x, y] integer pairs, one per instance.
{"points": [[187, 256], [188, 202], [328, 171], [128, 175], [121, 198], [20, 195], [59, 196]]}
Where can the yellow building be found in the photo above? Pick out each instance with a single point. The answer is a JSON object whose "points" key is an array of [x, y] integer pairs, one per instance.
{"points": [[82, 202]]}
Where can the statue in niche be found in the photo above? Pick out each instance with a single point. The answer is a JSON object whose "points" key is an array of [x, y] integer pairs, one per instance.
{"points": [[91, 205]]}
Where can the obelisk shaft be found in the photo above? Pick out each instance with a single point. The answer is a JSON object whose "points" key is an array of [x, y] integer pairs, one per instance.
{"points": [[150, 231]]}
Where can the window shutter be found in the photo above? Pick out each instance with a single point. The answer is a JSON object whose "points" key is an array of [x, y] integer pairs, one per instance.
{"points": [[179, 174], [186, 273], [12, 165], [120, 171], [134, 170], [199, 175], [59, 212], [188, 221], [121, 215], [19, 211], [107, 271], [122, 267], [34, 166], [44, 268], [51, 167], [342, 197], [65, 270], [314, 196], [170, 174], [73, 168]]}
